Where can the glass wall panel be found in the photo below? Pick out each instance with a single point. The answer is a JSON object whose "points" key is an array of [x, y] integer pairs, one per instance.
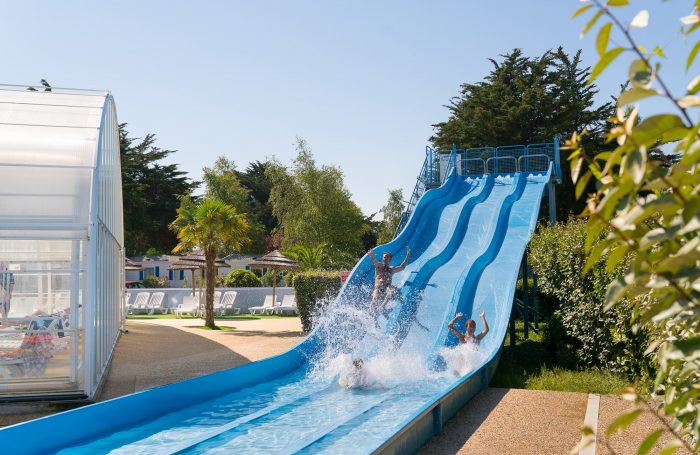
{"points": [[40, 314]]}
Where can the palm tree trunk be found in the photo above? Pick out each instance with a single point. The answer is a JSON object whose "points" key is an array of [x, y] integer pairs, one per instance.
{"points": [[210, 257]]}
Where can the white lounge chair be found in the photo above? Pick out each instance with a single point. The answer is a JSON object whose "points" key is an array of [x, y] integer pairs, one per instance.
{"points": [[288, 306], [267, 305], [155, 303], [227, 302], [217, 302], [140, 305], [189, 305]]}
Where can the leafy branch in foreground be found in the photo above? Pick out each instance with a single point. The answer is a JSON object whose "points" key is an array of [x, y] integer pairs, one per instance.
{"points": [[651, 213]]}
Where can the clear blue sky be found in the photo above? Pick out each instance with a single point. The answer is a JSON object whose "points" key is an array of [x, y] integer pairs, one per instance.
{"points": [[361, 81]]}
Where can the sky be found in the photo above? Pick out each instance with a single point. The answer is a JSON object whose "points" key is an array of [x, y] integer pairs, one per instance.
{"points": [[362, 82]]}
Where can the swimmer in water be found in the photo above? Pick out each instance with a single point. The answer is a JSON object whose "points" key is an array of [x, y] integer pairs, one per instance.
{"points": [[470, 336], [356, 377]]}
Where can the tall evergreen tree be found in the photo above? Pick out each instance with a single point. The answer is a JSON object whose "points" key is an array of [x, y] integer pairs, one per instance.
{"points": [[151, 192], [526, 100]]}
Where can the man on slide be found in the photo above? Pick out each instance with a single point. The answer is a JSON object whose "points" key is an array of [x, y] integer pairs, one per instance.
{"points": [[383, 289]]}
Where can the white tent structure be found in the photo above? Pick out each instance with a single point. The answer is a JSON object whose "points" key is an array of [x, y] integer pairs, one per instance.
{"points": [[61, 241]]}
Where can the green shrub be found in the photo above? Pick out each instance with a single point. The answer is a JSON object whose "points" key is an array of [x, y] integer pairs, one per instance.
{"points": [[242, 279], [153, 281], [272, 276], [313, 289], [579, 325]]}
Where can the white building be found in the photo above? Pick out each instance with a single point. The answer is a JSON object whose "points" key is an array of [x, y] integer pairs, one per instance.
{"points": [[61, 241]]}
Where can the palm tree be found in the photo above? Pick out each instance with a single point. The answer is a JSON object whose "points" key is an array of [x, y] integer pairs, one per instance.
{"points": [[309, 257], [211, 225]]}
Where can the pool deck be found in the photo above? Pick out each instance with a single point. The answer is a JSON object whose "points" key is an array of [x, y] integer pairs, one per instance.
{"points": [[497, 421]]}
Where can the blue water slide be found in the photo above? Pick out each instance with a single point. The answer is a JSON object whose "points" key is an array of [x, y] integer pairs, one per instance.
{"points": [[467, 239]]}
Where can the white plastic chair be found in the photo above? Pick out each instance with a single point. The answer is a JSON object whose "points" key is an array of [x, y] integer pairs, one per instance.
{"points": [[227, 301], [140, 305], [289, 305], [155, 303], [189, 305], [268, 304], [217, 302]]}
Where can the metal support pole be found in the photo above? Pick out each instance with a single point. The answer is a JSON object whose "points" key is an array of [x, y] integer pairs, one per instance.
{"points": [[535, 302], [526, 297], [552, 204], [512, 326]]}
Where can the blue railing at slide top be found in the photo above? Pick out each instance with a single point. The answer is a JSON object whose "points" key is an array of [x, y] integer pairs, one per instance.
{"points": [[507, 159]]}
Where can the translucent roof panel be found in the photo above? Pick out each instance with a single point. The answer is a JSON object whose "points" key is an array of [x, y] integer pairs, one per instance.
{"points": [[48, 147]]}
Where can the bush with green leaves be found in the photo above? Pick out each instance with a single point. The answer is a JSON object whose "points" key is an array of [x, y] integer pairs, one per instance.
{"points": [[271, 277], [153, 281], [313, 289], [580, 330], [242, 279], [650, 207]]}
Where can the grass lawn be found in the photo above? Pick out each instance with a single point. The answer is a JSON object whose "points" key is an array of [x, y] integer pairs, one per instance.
{"points": [[528, 366], [238, 317]]}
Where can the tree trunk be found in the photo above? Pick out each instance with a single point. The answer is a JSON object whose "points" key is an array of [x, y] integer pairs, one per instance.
{"points": [[210, 257]]}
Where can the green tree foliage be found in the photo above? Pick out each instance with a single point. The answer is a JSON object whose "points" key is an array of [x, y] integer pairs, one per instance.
{"points": [[651, 209], [309, 257], [242, 279], [313, 289], [151, 192], [153, 281], [313, 205], [526, 100], [213, 226], [580, 331], [248, 192], [392, 211], [272, 277]]}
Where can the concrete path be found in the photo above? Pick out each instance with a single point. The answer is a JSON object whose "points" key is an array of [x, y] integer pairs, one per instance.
{"points": [[513, 421]]}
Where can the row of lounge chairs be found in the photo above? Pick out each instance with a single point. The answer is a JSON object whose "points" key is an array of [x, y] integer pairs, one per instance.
{"points": [[152, 303]]}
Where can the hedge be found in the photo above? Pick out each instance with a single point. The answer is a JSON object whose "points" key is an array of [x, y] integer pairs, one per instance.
{"points": [[313, 289], [580, 331]]}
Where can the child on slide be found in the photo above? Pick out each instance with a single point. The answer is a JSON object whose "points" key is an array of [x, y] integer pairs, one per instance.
{"points": [[470, 336], [356, 377]]}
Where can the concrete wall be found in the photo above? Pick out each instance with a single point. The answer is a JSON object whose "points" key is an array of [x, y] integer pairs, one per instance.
{"points": [[246, 298]]}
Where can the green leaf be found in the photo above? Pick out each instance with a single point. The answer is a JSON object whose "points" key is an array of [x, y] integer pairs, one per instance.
{"points": [[615, 290], [689, 101], [692, 55], [591, 23], [603, 37], [649, 442], [615, 257], [635, 164], [694, 86], [670, 447], [618, 2], [624, 420], [581, 184], [603, 63], [684, 349], [634, 94], [658, 51], [581, 10], [576, 166], [640, 74], [663, 127]]}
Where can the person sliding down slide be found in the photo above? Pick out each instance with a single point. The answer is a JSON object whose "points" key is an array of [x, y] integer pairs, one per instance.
{"points": [[469, 337], [356, 377], [383, 289]]}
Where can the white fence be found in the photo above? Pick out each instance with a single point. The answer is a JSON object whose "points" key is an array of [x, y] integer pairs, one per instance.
{"points": [[246, 297]]}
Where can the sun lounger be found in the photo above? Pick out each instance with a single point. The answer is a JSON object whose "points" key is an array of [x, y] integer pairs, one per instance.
{"points": [[217, 302], [140, 305], [155, 303], [189, 305], [267, 305], [227, 302], [288, 306]]}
